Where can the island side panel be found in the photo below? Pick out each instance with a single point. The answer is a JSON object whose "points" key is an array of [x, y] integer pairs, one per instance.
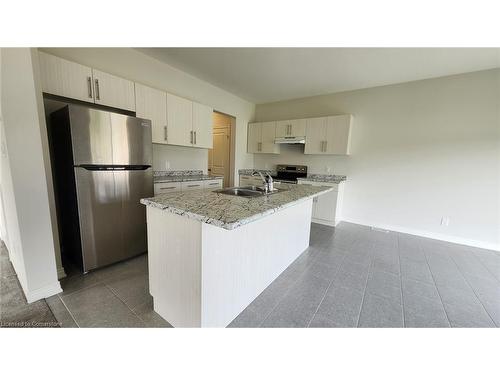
{"points": [[237, 265], [174, 260]]}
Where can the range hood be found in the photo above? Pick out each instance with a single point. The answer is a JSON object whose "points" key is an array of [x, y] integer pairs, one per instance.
{"points": [[290, 140]]}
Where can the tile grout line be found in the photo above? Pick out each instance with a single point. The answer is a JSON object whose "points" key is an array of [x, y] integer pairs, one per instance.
{"points": [[434, 281], [327, 289], [284, 295], [69, 311], [364, 292], [473, 291], [116, 295], [484, 265]]}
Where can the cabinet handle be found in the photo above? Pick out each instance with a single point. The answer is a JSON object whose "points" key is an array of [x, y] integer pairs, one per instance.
{"points": [[193, 185], [191, 135], [97, 91], [195, 137], [89, 86], [165, 132], [166, 188]]}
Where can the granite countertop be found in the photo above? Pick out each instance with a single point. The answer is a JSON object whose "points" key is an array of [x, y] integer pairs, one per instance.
{"points": [[230, 212], [249, 171], [333, 178], [181, 178], [182, 175]]}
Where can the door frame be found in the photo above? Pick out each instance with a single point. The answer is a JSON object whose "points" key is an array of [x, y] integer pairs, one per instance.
{"points": [[232, 143]]}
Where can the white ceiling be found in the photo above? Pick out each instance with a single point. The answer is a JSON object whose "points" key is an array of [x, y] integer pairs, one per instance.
{"points": [[263, 75]]}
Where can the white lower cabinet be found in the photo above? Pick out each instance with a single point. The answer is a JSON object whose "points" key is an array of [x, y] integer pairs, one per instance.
{"points": [[327, 207], [212, 184], [191, 185], [168, 187]]}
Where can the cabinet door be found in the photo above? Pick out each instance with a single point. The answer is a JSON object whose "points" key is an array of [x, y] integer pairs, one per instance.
{"points": [[179, 120], [166, 187], [338, 130], [325, 207], [315, 135], [282, 128], [202, 125], [212, 184], [254, 137], [297, 128], [267, 139], [191, 185], [152, 104], [113, 91], [65, 78]]}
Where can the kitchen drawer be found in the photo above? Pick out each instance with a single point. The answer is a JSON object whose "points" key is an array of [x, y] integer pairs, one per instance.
{"points": [[191, 185], [166, 187], [212, 184]]}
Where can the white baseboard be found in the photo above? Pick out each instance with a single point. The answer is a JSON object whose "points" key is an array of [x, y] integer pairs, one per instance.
{"points": [[432, 235], [45, 292]]}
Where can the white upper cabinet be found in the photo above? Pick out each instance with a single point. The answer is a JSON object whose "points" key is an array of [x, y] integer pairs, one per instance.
{"points": [[202, 125], [254, 137], [291, 128], [66, 78], [328, 135], [180, 121], [315, 135], [261, 137], [113, 91], [267, 141], [338, 132], [152, 104]]}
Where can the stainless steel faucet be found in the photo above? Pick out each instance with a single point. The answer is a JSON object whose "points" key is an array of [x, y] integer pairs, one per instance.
{"points": [[268, 184]]}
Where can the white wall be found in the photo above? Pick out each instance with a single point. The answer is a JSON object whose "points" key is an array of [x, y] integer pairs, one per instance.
{"points": [[420, 151], [177, 158], [134, 65], [29, 224]]}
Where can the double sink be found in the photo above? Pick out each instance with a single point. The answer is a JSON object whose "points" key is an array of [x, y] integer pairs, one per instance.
{"points": [[248, 191]]}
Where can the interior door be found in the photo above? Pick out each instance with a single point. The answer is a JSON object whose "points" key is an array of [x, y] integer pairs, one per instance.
{"points": [[221, 152], [315, 135], [179, 120]]}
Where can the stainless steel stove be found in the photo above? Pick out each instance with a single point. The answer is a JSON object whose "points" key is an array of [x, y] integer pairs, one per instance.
{"points": [[288, 174]]}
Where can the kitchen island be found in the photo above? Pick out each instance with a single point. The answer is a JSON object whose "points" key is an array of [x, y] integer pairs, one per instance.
{"points": [[210, 254]]}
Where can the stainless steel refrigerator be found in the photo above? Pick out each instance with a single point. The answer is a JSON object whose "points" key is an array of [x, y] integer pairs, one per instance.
{"points": [[102, 168]]}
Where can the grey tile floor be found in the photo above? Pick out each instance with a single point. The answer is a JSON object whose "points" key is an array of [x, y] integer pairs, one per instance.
{"points": [[15, 311], [350, 276], [115, 296]]}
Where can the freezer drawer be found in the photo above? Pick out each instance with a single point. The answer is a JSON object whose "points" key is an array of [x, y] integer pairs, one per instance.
{"points": [[111, 218]]}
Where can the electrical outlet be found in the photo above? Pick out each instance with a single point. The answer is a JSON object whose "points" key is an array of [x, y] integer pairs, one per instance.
{"points": [[445, 221], [328, 169]]}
